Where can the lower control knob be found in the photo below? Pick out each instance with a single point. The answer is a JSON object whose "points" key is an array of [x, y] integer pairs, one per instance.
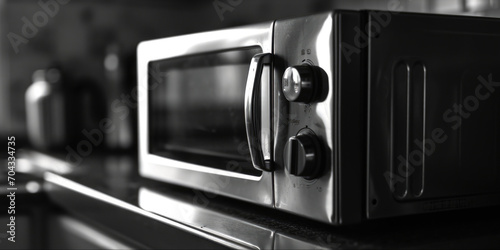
{"points": [[302, 155]]}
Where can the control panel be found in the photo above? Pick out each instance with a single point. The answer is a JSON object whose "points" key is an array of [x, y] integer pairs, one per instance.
{"points": [[302, 153], [304, 116]]}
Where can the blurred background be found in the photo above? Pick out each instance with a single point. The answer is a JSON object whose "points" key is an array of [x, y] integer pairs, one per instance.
{"points": [[85, 53], [65, 65]]}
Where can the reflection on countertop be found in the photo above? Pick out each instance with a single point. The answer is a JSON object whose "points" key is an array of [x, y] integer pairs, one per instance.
{"points": [[108, 191]]}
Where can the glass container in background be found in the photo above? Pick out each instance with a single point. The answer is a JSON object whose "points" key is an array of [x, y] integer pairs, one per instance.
{"points": [[121, 137], [45, 110]]}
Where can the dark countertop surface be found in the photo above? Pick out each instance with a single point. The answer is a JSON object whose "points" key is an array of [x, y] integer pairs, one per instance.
{"points": [[107, 190]]}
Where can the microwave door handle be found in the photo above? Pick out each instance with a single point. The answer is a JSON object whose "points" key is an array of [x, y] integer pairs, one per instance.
{"points": [[253, 117]]}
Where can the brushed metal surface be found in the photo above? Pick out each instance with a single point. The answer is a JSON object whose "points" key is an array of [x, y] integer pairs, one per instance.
{"points": [[298, 41], [225, 226]]}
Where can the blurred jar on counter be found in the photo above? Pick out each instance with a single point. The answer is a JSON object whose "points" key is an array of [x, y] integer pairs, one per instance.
{"points": [[118, 92], [46, 110]]}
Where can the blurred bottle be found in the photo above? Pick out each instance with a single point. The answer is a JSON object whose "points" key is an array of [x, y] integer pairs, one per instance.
{"points": [[120, 138], [45, 109]]}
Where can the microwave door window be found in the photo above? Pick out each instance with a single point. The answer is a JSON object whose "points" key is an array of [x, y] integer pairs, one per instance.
{"points": [[196, 110]]}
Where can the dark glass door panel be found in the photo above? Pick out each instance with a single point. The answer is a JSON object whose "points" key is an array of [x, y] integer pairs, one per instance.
{"points": [[196, 113]]}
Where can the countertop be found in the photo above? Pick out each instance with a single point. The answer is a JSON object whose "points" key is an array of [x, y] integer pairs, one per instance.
{"points": [[107, 191]]}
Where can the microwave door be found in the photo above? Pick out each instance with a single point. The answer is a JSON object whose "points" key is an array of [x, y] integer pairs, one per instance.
{"points": [[204, 112]]}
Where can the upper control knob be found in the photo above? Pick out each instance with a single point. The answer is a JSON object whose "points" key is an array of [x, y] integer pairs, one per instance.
{"points": [[302, 154], [299, 83]]}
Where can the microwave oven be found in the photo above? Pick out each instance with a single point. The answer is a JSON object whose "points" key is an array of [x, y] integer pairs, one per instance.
{"points": [[339, 117]]}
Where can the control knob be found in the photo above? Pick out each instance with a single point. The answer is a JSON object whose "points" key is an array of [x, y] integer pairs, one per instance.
{"points": [[302, 154], [300, 83]]}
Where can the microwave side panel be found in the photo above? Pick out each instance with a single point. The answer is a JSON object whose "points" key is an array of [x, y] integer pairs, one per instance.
{"points": [[224, 179], [351, 116], [434, 138]]}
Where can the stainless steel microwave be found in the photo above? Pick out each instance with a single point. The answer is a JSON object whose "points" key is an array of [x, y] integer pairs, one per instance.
{"points": [[339, 117]]}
